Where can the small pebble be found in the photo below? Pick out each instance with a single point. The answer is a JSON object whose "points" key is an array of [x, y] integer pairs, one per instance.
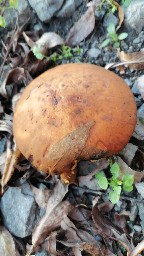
{"points": [[137, 228]]}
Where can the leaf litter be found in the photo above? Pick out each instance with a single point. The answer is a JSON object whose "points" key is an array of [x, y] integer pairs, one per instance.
{"points": [[61, 215]]}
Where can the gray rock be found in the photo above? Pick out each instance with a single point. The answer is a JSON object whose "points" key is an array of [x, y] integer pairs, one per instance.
{"points": [[18, 209], [110, 18], [42, 253], [94, 53], [45, 10], [140, 112], [135, 90], [138, 101], [141, 214], [134, 15], [137, 228], [136, 40], [23, 11], [67, 9]]}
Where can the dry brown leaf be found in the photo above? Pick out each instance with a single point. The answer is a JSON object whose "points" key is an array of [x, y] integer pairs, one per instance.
{"points": [[12, 158], [82, 28], [52, 244], [89, 180], [125, 169], [103, 225], [16, 76], [47, 41], [29, 41], [140, 85], [120, 14], [129, 152], [78, 238], [41, 196], [55, 212], [7, 245], [134, 60]]}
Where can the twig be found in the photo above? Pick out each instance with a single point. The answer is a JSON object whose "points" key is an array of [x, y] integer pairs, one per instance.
{"points": [[138, 249]]}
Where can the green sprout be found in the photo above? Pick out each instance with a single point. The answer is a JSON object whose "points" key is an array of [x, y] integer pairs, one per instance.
{"points": [[112, 6], [115, 183], [65, 52], [113, 37], [11, 4]]}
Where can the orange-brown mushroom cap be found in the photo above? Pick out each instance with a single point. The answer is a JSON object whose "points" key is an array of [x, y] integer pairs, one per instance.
{"points": [[73, 111]]}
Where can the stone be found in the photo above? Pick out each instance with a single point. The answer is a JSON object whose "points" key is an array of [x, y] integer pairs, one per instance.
{"points": [[45, 10], [93, 53], [141, 214], [140, 112], [23, 11], [67, 9], [110, 18], [135, 89], [134, 15], [18, 209]]}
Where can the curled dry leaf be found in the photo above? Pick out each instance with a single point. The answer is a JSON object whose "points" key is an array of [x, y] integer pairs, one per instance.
{"points": [[55, 212], [120, 14], [129, 152], [16, 76], [82, 28], [140, 85], [7, 245], [78, 238], [125, 169], [47, 41], [134, 60], [12, 158], [103, 225], [41, 196]]}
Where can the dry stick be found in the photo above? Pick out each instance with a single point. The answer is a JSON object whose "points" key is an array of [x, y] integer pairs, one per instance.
{"points": [[138, 249], [114, 65]]}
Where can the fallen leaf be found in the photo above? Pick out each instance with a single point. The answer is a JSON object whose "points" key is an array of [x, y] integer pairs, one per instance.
{"points": [[140, 188], [78, 238], [7, 245], [56, 211], [125, 169], [129, 152], [120, 14], [103, 225], [82, 28], [16, 76], [139, 131], [12, 158], [41, 196], [47, 41], [90, 180], [140, 85], [52, 244], [134, 60]]}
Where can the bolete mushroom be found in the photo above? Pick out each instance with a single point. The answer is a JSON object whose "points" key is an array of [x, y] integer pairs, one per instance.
{"points": [[71, 112]]}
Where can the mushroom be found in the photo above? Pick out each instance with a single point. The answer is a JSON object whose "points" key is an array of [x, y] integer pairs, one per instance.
{"points": [[72, 112]]}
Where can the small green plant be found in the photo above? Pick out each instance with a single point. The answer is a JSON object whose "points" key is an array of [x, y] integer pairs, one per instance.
{"points": [[3, 7], [112, 7], [115, 183], [113, 37], [65, 52]]}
